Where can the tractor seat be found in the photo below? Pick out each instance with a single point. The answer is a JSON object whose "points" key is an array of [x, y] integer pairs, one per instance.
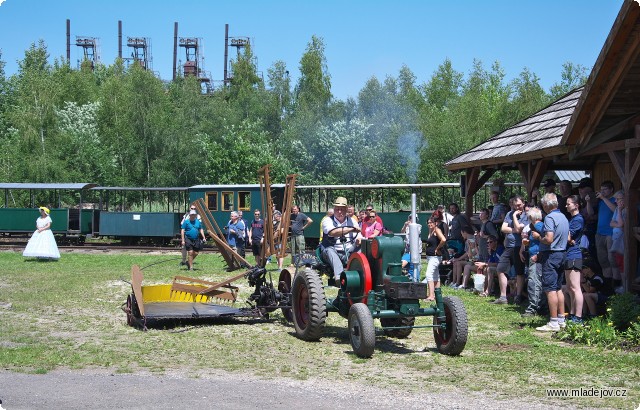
{"points": [[319, 256]]}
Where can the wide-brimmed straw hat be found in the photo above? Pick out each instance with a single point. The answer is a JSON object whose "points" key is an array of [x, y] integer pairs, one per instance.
{"points": [[340, 201]]}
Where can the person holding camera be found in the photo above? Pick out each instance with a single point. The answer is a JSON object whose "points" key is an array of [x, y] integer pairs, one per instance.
{"points": [[605, 207], [190, 233]]}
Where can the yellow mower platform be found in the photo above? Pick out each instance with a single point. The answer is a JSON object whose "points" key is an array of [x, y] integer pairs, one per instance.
{"points": [[185, 298]]}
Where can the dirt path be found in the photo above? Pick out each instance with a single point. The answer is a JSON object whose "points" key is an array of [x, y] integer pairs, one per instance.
{"points": [[99, 389]]}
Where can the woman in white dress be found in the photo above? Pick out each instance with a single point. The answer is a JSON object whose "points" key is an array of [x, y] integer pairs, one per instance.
{"points": [[42, 243]]}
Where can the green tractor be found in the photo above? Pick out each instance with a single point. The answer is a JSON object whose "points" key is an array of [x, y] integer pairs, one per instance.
{"points": [[373, 286]]}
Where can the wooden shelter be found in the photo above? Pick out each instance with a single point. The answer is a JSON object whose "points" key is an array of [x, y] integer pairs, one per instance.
{"points": [[595, 128]]}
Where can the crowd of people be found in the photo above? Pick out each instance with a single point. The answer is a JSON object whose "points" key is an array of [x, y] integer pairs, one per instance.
{"points": [[559, 254], [241, 234]]}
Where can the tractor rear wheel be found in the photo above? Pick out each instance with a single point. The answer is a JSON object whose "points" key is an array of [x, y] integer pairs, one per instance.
{"points": [[451, 341], [308, 305], [394, 322], [362, 333]]}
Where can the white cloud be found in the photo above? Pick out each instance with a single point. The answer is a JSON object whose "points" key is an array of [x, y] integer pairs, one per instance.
{"points": [[1, 1]]}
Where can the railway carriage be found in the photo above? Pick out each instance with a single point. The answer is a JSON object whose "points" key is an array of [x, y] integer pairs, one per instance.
{"points": [[67, 202], [141, 214]]}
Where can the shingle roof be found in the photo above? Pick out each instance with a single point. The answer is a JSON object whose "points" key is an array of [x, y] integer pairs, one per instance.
{"points": [[540, 131]]}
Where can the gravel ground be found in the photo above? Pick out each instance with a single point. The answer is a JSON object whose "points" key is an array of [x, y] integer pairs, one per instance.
{"points": [[99, 389]]}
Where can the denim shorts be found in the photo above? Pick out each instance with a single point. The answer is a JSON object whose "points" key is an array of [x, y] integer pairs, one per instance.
{"points": [[552, 270]]}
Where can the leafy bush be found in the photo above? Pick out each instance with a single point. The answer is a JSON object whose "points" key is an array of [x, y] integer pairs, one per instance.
{"points": [[632, 334], [623, 310], [597, 332]]}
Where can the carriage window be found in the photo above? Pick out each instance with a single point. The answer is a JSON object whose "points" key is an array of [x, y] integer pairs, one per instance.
{"points": [[227, 201], [212, 201], [244, 201]]}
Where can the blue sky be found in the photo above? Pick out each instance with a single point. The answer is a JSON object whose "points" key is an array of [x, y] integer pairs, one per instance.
{"points": [[362, 38]]}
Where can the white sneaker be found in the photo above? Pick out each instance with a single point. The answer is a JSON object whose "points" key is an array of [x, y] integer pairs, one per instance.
{"points": [[562, 325], [619, 290], [548, 328]]}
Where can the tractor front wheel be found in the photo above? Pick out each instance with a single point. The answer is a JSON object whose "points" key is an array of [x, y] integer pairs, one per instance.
{"points": [[308, 305], [361, 330], [397, 322], [451, 341]]}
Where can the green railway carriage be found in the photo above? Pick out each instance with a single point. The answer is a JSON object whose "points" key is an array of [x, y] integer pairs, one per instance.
{"points": [[133, 214], [20, 202]]}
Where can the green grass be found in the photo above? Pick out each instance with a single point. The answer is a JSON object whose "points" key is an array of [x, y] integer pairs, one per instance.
{"points": [[66, 314]]}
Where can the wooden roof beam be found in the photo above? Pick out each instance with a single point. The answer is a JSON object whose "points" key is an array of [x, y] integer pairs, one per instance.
{"points": [[613, 146], [532, 173], [606, 135]]}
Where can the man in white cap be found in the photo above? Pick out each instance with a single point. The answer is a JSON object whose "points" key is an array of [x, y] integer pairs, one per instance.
{"points": [[339, 239], [185, 218], [190, 233]]}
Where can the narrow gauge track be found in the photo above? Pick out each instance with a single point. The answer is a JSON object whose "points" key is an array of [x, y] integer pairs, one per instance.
{"points": [[19, 246]]}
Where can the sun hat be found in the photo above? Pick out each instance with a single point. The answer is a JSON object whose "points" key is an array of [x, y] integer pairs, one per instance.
{"points": [[45, 209], [340, 201]]}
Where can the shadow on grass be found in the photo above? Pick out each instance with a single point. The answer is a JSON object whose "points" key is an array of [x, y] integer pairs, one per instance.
{"points": [[340, 335], [186, 324]]}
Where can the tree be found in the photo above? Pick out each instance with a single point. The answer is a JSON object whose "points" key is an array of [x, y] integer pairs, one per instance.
{"points": [[573, 76], [443, 88], [81, 145], [280, 85], [35, 98], [528, 96], [236, 156], [313, 91], [467, 112], [244, 90]]}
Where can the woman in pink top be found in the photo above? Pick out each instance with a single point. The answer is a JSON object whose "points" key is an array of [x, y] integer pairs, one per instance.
{"points": [[371, 226]]}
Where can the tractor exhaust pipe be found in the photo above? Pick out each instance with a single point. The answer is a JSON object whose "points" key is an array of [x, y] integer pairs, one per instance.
{"points": [[415, 242]]}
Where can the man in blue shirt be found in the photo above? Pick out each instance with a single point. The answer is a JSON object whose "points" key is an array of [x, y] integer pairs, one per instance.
{"points": [[513, 224], [553, 244], [190, 231], [604, 231]]}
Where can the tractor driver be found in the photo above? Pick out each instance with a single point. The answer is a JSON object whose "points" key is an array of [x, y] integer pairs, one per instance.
{"points": [[340, 238]]}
